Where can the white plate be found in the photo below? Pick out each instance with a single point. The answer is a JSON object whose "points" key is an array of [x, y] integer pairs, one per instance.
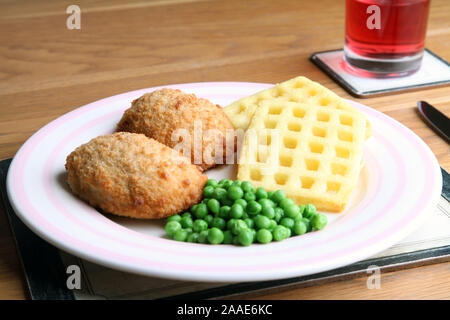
{"points": [[399, 185]]}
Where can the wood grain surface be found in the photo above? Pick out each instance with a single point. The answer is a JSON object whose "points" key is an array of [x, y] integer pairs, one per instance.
{"points": [[47, 70]]}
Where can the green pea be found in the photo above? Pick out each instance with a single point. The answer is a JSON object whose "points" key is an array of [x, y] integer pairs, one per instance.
{"points": [[253, 208], [209, 219], [205, 201], [289, 232], [302, 209], [180, 235], [292, 211], [242, 202], [193, 237], [188, 230], [203, 236], [286, 202], [245, 215], [310, 209], [235, 192], [230, 223], [219, 223], [265, 203], [262, 222], [238, 226], [193, 208], [172, 227], [176, 217], [319, 221], [215, 236], [278, 196], [250, 223], [248, 187], [300, 227], [219, 194], [269, 212], [236, 241], [225, 183], [224, 212], [201, 211], [237, 183], [237, 211], [227, 201], [199, 225], [214, 206], [280, 233], [211, 183], [186, 214], [261, 193], [279, 214], [270, 194], [245, 237], [264, 236], [307, 224], [287, 222], [208, 191], [186, 222], [249, 196], [227, 237], [272, 224]]}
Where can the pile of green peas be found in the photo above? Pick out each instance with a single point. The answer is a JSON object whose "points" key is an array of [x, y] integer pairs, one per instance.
{"points": [[235, 212]]}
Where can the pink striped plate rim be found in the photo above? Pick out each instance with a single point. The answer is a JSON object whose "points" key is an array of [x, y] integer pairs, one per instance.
{"points": [[399, 186]]}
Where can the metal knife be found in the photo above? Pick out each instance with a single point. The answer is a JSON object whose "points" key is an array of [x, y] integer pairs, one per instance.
{"points": [[435, 118]]}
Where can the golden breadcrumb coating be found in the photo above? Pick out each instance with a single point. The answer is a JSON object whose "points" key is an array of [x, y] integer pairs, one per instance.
{"points": [[161, 113], [131, 175]]}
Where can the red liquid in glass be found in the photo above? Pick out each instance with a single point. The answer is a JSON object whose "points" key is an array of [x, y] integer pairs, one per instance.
{"points": [[402, 33]]}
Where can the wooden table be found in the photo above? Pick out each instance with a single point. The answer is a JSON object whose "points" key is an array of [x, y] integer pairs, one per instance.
{"points": [[47, 70]]}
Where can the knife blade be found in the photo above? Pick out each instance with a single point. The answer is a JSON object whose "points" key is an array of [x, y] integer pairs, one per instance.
{"points": [[435, 118]]}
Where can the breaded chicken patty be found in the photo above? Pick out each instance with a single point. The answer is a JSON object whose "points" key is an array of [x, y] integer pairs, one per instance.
{"points": [[171, 117], [132, 175]]}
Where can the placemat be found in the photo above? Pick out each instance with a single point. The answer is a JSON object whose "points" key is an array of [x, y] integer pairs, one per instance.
{"points": [[45, 267]]}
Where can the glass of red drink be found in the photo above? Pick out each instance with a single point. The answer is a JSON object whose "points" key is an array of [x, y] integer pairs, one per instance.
{"points": [[385, 37]]}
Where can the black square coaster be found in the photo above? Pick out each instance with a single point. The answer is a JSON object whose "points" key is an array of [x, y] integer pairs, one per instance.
{"points": [[434, 71]]}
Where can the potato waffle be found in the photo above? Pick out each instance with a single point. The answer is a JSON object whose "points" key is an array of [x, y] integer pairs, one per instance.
{"points": [[311, 150], [299, 89]]}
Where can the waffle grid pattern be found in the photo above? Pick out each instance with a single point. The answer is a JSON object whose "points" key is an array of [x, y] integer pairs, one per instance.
{"points": [[300, 89], [312, 152]]}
